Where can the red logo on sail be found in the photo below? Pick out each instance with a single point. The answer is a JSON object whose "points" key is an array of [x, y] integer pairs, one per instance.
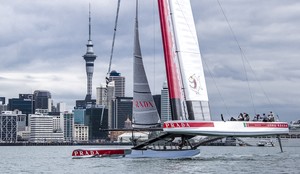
{"points": [[143, 104], [194, 83]]}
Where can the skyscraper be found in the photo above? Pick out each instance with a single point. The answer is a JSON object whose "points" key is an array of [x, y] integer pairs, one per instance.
{"points": [[89, 58], [165, 104], [100, 95], [68, 126], [42, 100], [121, 110], [8, 127], [119, 83], [61, 107], [3, 106], [2, 100], [41, 129], [96, 119]]}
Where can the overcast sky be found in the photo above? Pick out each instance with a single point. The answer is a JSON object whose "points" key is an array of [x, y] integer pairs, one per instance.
{"points": [[42, 44]]}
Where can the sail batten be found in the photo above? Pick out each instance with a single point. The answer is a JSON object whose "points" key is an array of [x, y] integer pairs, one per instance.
{"points": [[144, 112]]}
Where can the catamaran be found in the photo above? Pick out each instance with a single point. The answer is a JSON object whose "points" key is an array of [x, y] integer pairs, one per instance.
{"points": [[187, 93]]}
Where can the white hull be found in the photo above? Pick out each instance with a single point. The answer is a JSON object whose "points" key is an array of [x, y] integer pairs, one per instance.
{"points": [[167, 154], [228, 128]]}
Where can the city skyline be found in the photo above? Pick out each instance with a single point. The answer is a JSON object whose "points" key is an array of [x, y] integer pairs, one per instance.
{"points": [[35, 35]]}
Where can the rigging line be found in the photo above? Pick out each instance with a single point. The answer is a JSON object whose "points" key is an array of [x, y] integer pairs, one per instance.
{"points": [[114, 37], [267, 97], [243, 56], [242, 53], [154, 67], [215, 83], [248, 83]]}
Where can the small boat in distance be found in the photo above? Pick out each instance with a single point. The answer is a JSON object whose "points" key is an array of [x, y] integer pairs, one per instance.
{"points": [[265, 143], [292, 139]]}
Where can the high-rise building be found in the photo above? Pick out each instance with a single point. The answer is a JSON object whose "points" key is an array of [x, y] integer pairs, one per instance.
{"points": [[42, 100], [25, 104], [96, 119], [157, 101], [68, 126], [2, 100], [41, 129], [81, 133], [57, 123], [105, 95], [165, 104], [61, 107], [121, 111], [89, 58], [8, 127], [119, 83], [101, 95], [3, 106], [79, 116]]}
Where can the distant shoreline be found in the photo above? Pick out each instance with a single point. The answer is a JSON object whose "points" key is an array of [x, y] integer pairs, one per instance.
{"points": [[62, 144]]}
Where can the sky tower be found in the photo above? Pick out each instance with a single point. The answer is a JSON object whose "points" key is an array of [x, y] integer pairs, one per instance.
{"points": [[89, 58]]}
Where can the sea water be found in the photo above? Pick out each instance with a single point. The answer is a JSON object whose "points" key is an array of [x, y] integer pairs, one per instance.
{"points": [[213, 159]]}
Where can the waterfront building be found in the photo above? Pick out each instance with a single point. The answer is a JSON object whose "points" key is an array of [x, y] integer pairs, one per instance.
{"points": [[21, 120], [79, 116], [157, 101], [105, 93], [68, 126], [81, 133], [41, 129], [2, 100], [165, 104], [61, 107], [3, 106], [25, 104], [8, 127], [82, 104], [22, 104], [57, 123], [96, 119], [101, 95], [128, 124], [121, 110], [42, 111], [42, 100], [109, 99], [24, 135]]}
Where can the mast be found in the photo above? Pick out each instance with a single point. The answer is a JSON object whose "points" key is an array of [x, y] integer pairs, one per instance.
{"points": [[172, 77], [144, 111]]}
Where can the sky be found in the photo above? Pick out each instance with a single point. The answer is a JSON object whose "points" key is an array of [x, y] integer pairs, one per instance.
{"points": [[42, 44]]}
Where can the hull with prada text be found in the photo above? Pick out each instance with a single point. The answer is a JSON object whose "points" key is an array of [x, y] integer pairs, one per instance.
{"points": [[130, 153], [228, 128]]}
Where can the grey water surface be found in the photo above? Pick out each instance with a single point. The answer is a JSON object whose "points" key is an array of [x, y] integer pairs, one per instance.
{"points": [[213, 159]]}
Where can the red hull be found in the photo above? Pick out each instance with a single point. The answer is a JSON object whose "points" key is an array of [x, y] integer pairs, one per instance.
{"points": [[80, 153]]}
